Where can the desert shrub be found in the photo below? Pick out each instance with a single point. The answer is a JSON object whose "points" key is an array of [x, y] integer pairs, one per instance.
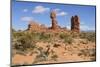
{"points": [[66, 37], [90, 36], [22, 41], [42, 56], [54, 57], [26, 40], [88, 53], [68, 40], [84, 52], [84, 41], [74, 34], [45, 37], [21, 53], [16, 35], [63, 35], [56, 45], [41, 36]]}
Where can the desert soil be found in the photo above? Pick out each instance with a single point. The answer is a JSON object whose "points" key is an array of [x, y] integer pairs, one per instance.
{"points": [[65, 53]]}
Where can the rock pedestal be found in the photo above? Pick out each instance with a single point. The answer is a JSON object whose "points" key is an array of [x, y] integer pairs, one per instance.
{"points": [[75, 24], [54, 21]]}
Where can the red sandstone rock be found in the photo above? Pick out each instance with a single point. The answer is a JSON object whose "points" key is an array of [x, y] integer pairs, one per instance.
{"points": [[54, 21], [34, 26], [75, 23]]}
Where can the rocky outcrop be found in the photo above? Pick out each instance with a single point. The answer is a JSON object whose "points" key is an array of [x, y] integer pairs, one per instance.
{"points": [[34, 26], [54, 21], [75, 24]]}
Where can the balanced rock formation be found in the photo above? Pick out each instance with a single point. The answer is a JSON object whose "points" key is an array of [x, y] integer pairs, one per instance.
{"points": [[55, 28], [75, 24], [54, 21]]}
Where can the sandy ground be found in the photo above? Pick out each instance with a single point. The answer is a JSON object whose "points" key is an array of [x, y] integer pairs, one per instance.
{"points": [[68, 53]]}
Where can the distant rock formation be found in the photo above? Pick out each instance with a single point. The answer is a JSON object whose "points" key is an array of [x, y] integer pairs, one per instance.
{"points": [[75, 24], [54, 21], [34, 26]]}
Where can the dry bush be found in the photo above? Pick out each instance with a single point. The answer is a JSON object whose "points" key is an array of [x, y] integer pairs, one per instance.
{"points": [[42, 56], [90, 36], [88, 53], [54, 57]]}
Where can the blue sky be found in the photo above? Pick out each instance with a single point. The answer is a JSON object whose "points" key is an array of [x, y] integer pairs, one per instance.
{"points": [[23, 12]]}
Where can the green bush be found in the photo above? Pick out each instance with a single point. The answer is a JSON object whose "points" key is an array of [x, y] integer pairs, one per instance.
{"points": [[66, 37], [45, 37], [23, 41], [69, 40]]}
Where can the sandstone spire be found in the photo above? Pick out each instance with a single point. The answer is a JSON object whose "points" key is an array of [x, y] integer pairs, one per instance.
{"points": [[54, 21], [75, 23]]}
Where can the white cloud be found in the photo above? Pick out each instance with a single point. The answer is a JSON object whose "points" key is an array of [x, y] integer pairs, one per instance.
{"points": [[26, 18], [62, 14], [25, 10], [40, 9], [57, 10], [85, 27]]}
